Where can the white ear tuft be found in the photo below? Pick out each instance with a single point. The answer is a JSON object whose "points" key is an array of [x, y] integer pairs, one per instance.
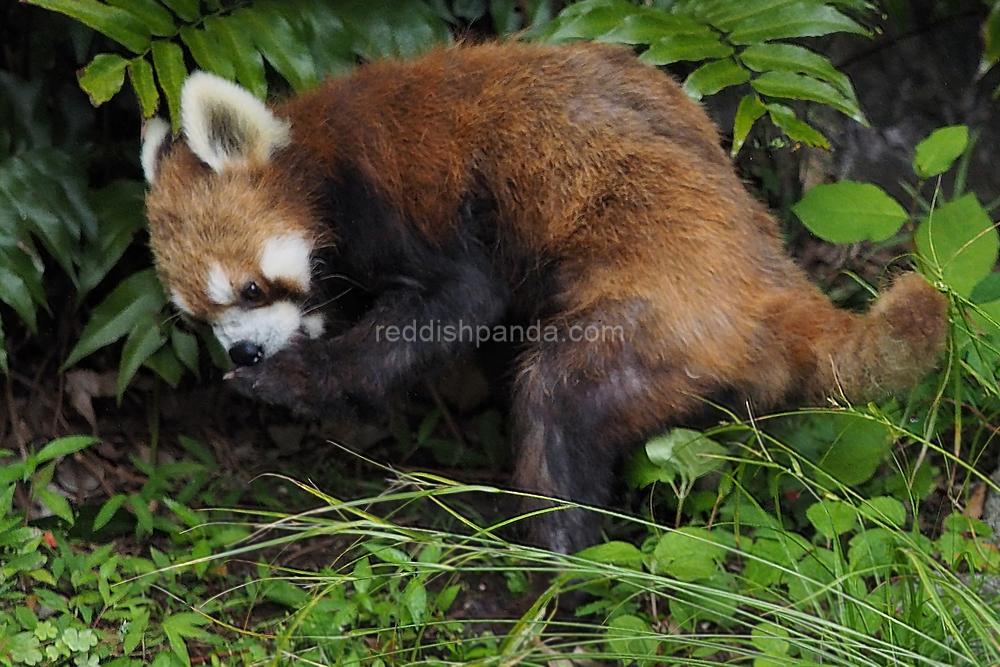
{"points": [[155, 136], [226, 126]]}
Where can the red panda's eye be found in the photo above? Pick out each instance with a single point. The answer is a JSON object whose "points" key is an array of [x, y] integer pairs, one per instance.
{"points": [[252, 293]]}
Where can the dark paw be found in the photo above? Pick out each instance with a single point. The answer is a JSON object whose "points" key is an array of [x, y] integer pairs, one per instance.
{"points": [[286, 379]]}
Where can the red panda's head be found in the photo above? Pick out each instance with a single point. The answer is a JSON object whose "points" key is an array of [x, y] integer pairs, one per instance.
{"points": [[232, 239]]}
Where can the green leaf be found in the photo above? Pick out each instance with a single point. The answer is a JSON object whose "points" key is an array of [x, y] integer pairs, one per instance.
{"points": [[847, 212], [184, 625], [961, 241], [248, 65], [798, 60], [168, 59], [790, 20], [770, 638], [56, 504], [277, 41], [872, 549], [647, 25], [785, 118], [141, 74], [987, 290], [415, 601], [117, 24], [632, 638], [857, 449], [187, 10], [991, 40], [64, 447], [832, 517], [15, 293], [145, 338], [119, 210], [675, 48], [388, 554], [793, 86], [185, 346], [712, 77], [108, 511], [150, 14], [748, 112], [208, 52], [590, 24], [688, 554], [103, 77], [938, 152], [884, 510], [137, 297], [690, 453], [164, 363], [614, 553]]}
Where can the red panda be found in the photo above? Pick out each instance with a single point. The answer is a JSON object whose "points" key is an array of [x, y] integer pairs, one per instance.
{"points": [[573, 187]]}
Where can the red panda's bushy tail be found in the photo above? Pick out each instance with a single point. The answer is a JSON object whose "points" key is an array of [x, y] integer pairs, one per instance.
{"points": [[889, 349]]}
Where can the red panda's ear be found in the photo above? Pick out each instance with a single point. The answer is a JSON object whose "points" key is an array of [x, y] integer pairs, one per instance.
{"points": [[155, 139], [226, 126]]}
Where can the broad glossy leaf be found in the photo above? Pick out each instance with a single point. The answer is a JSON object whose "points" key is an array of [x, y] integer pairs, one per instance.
{"points": [[137, 297], [689, 554], [938, 152], [884, 510], [274, 37], [675, 48], [168, 59], [593, 23], [393, 29], [961, 240], [165, 364], [856, 449], [208, 52], [847, 212], [117, 24], [64, 447], [712, 77], [153, 15], [103, 77], [15, 293], [119, 210], [141, 74], [801, 87], [991, 40], [749, 110], [188, 10], [145, 338], [248, 65], [185, 346], [797, 130], [624, 554], [646, 25], [629, 635], [832, 517], [796, 59], [796, 19], [987, 290]]}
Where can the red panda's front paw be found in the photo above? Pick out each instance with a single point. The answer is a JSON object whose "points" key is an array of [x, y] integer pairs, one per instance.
{"points": [[285, 379]]}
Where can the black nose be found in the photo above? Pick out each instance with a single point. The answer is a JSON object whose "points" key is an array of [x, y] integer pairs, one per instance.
{"points": [[246, 353]]}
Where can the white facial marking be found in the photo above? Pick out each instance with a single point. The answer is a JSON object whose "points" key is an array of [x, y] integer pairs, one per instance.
{"points": [[286, 257], [313, 325], [180, 303], [271, 327], [218, 287]]}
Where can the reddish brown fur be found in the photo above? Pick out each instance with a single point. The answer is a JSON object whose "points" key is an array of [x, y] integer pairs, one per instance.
{"points": [[603, 172]]}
